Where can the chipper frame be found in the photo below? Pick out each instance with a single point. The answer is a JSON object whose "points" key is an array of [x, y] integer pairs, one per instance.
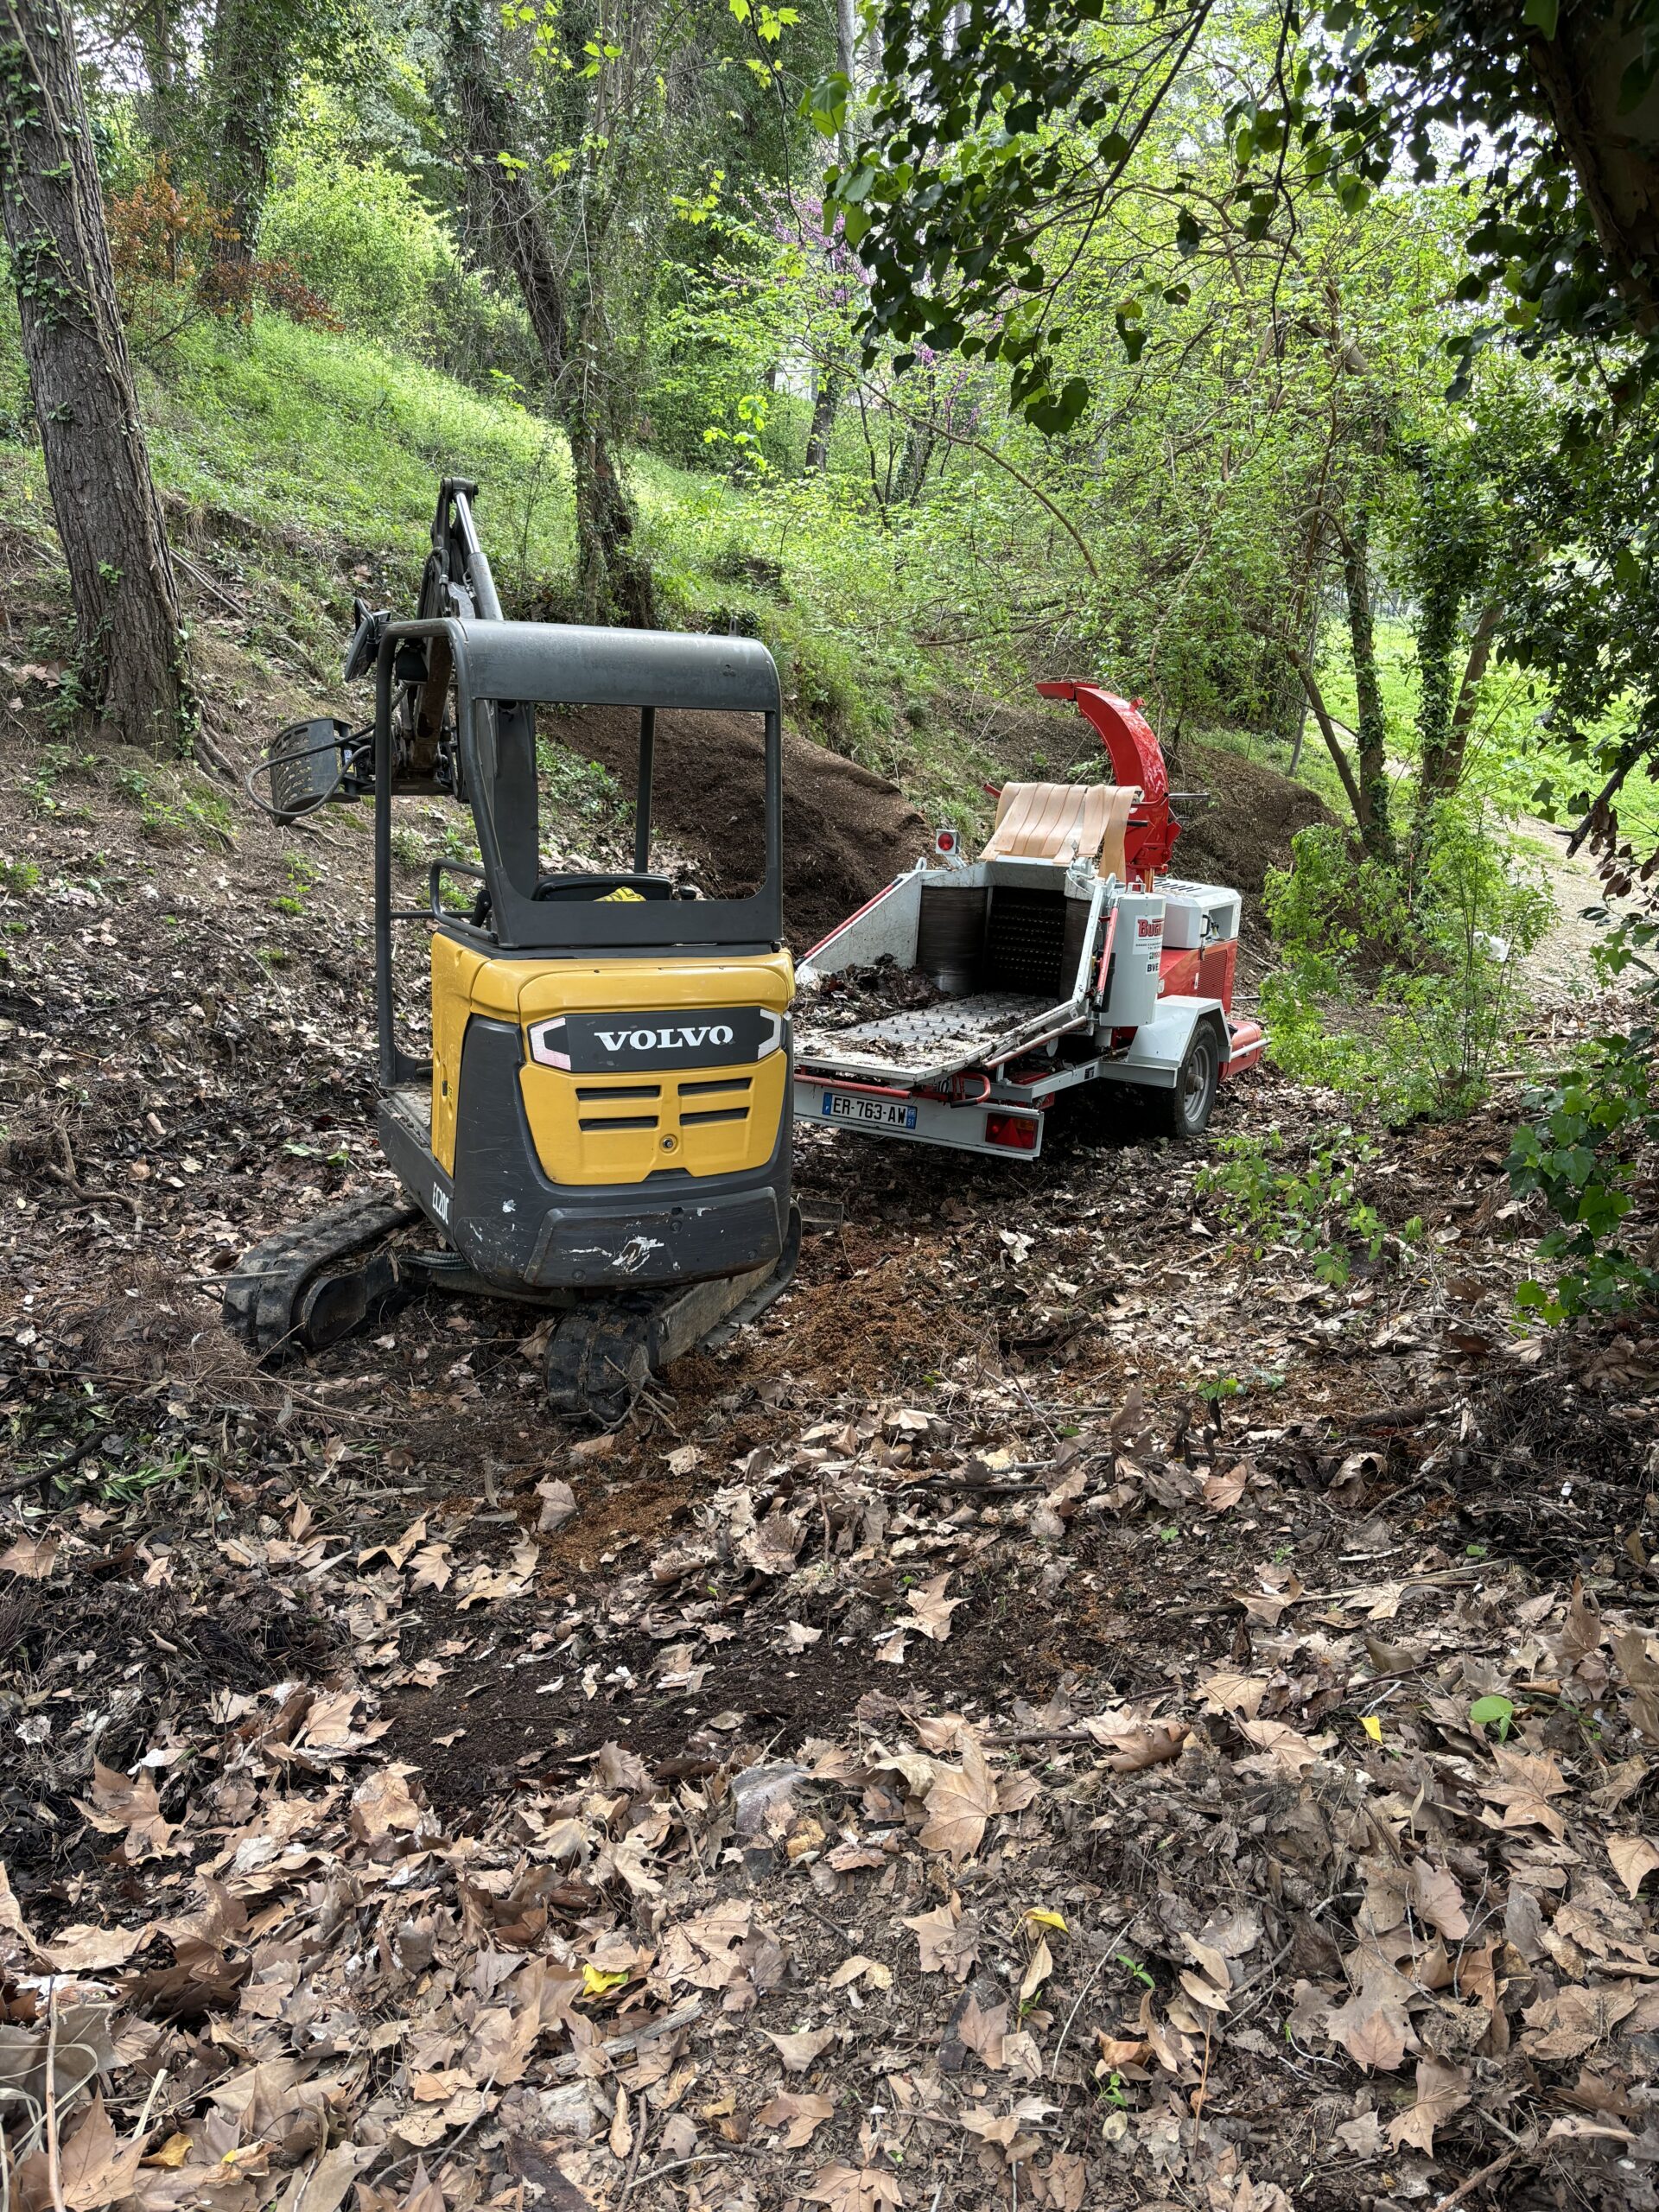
{"points": [[602, 1128]]}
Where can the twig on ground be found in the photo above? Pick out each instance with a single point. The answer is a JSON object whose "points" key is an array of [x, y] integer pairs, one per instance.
{"points": [[698, 2158], [450, 2147], [208, 581], [1093, 1976], [53, 1468], [53, 2167], [1505, 2159], [634, 2160], [1399, 1416]]}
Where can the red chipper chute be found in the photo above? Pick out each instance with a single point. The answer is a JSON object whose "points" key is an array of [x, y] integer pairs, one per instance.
{"points": [[1136, 757]]}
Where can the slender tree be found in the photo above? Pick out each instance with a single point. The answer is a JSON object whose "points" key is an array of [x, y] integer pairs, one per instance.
{"points": [[614, 579], [831, 371], [1375, 827], [131, 652]]}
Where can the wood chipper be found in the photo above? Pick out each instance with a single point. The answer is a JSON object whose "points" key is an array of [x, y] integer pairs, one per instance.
{"points": [[1064, 955]]}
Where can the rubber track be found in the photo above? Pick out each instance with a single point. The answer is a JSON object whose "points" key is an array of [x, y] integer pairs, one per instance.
{"points": [[597, 1359], [262, 1299]]}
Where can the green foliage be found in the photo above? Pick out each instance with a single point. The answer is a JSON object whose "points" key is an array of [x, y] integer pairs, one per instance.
{"points": [[1494, 1712], [1424, 970], [360, 234], [576, 793], [177, 807], [1319, 1207], [1580, 1148]]}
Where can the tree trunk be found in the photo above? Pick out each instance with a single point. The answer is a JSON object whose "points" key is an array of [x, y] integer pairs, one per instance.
{"points": [[1375, 832], [825, 400], [826, 397], [1463, 715], [1437, 637], [847, 62], [1333, 744], [914, 462], [1614, 151], [129, 651], [156, 29], [612, 578], [252, 53]]}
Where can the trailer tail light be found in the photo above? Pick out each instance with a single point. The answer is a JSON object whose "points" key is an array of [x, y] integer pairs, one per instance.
{"points": [[1013, 1132]]}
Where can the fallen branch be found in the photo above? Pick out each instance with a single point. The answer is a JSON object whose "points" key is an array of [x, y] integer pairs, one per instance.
{"points": [[53, 1468]]}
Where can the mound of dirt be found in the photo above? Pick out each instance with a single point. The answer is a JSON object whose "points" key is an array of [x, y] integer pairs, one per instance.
{"points": [[1255, 813], [847, 832]]}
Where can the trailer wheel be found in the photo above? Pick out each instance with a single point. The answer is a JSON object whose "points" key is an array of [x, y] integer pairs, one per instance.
{"points": [[1185, 1110]]}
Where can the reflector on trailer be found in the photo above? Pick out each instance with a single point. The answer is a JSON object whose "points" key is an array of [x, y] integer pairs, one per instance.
{"points": [[1014, 1132]]}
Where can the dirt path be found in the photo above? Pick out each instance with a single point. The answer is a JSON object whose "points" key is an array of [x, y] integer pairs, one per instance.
{"points": [[1561, 969]]}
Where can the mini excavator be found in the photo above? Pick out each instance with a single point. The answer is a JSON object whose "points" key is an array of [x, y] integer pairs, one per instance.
{"points": [[602, 1128]]}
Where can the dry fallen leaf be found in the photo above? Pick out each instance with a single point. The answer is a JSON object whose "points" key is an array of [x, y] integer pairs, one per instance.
{"points": [[1438, 1900], [119, 1804], [854, 2189], [83, 1950], [958, 1806], [1037, 1972], [95, 2167], [797, 2113], [1371, 2028], [1120, 2051], [1528, 1782], [382, 1805], [1634, 1857], [1574, 2020], [1140, 1747], [932, 1608], [1239, 1694], [991, 2128], [981, 2031], [31, 1556], [558, 1505], [1064, 2183], [947, 1939], [1222, 1492], [11, 1913], [798, 2051], [1441, 2091]]}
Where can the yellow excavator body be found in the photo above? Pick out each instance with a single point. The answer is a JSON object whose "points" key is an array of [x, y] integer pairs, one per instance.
{"points": [[605, 1128]]}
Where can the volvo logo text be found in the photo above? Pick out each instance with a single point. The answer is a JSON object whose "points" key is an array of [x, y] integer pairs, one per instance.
{"points": [[663, 1041]]}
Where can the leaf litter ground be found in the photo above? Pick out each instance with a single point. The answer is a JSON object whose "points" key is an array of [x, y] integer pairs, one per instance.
{"points": [[1065, 1711]]}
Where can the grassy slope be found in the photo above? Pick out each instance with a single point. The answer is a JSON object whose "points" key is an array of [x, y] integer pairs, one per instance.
{"points": [[306, 465]]}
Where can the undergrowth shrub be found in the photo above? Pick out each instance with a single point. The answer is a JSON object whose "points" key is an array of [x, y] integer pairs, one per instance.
{"points": [[1402, 989], [1317, 1208], [360, 235], [1582, 1149], [166, 241]]}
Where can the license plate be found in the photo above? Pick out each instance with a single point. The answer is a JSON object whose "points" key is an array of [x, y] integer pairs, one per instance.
{"points": [[876, 1113]]}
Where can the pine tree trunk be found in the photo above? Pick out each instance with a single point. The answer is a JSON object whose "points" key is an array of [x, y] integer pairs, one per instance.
{"points": [[131, 654], [612, 578], [1375, 828]]}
